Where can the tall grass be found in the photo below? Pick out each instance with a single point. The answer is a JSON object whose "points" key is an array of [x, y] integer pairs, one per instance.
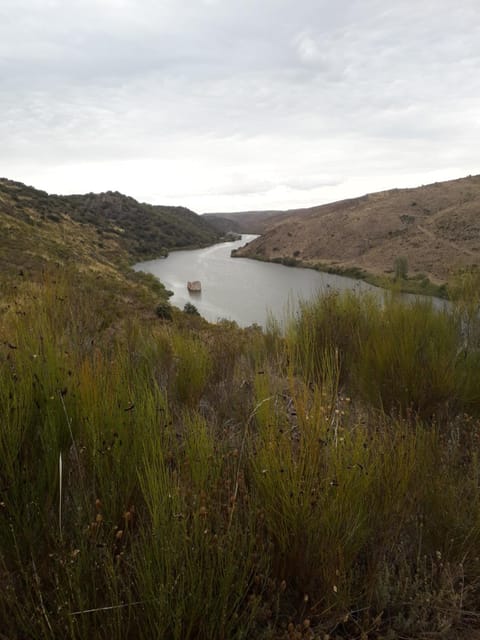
{"points": [[409, 360], [197, 561], [397, 356], [189, 481]]}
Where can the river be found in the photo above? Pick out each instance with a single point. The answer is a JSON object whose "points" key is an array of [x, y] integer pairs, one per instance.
{"points": [[240, 289]]}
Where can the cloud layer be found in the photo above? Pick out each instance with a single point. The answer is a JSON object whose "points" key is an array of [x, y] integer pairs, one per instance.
{"points": [[238, 104]]}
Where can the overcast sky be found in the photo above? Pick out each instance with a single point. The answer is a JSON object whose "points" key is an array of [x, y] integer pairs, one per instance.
{"points": [[223, 105]]}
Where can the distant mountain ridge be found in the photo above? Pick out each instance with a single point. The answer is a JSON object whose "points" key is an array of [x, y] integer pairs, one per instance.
{"points": [[245, 221], [435, 227]]}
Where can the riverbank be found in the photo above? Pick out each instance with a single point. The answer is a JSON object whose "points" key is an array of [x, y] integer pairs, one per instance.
{"points": [[418, 284]]}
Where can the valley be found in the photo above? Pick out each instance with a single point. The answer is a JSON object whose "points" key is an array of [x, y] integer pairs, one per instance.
{"points": [[162, 476]]}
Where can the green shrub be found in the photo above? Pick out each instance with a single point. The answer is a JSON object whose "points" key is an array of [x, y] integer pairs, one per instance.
{"points": [[409, 359], [164, 310], [193, 366], [191, 309], [332, 322], [400, 267]]}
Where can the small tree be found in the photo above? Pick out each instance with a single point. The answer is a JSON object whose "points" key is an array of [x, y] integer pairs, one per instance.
{"points": [[191, 309], [164, 310], [401, 268]]}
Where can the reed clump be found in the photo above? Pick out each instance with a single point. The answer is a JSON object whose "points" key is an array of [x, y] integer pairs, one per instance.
{"points": [[182, 480]]}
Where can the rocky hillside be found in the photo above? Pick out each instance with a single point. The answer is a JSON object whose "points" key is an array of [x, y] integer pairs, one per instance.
{"points": [[432, 230]]}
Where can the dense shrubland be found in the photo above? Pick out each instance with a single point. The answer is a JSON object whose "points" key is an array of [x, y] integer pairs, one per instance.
{"points": [[167, 478]]}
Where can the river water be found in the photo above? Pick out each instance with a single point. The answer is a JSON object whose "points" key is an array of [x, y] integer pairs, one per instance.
{"points": [[240, 289]]}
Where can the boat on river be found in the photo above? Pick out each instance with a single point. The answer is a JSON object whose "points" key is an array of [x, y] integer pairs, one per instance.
{"points": [[195, 286]]}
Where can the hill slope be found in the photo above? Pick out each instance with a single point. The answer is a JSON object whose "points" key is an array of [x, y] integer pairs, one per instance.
{"points": [[95, 237], [435, 227], [36, 232], [245, 221], [140, 230]]}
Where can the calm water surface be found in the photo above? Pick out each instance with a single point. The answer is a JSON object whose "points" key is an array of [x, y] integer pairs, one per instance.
{"points": [[240, 289]]}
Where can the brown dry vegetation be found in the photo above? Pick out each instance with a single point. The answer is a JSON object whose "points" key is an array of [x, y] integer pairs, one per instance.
{"points": [[436, 227]]}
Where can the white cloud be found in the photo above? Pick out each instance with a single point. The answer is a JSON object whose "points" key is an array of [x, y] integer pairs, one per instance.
{"points": [[308, 49], [234, 105]]}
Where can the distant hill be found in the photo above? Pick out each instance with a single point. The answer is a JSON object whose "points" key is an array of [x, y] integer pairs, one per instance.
{"points": [[143, 229], [436, 228], [223, 224], [105, 226], [245, 221], [95, 236]]}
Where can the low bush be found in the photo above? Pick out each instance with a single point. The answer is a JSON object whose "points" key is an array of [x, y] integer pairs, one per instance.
{"points": [[191, 309], [164, 310], [197, 481]]}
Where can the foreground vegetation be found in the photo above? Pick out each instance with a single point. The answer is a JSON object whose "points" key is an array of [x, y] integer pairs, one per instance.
{"points": [[175, 479]]}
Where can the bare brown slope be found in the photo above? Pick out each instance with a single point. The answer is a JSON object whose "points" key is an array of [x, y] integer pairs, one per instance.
{"points": [[436, 227]]}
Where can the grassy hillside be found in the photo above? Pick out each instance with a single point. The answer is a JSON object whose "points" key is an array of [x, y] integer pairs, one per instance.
{"points": [[162, 477], [140, 230], [433, 229], [36, 230], [40, 240], [95, 236]]}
